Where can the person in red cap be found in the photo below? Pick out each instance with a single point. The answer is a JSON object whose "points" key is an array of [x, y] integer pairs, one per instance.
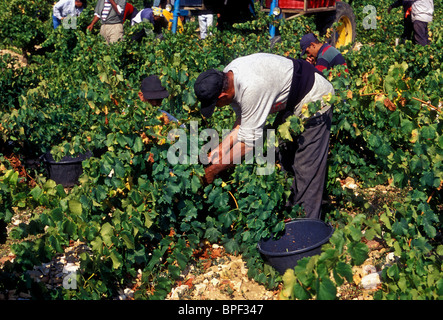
{"points": [[256, 86]]}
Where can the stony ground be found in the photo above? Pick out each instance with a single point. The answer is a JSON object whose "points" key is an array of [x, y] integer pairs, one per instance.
{"points": [[21, 60], [215, 275], [219, 276], [225, 278]]}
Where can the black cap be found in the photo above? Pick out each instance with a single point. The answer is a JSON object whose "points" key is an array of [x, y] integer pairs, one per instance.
{"points": [[306, 41], [152, 88], [208, 87]]}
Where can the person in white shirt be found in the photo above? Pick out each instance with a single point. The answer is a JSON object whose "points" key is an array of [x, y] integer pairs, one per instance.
{"points": [[256, 86], [422, 14], [205, 21], [66, 8], [206, 18]]}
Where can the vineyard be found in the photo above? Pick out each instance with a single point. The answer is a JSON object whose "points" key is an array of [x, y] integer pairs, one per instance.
{"points": [[143, 220]]}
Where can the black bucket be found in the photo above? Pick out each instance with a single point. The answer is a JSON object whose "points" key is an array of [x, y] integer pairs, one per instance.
{"points": [[302, 238], [66, 171]]}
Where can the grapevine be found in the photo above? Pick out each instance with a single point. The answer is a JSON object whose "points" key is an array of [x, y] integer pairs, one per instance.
{"points": [[136, 211]]}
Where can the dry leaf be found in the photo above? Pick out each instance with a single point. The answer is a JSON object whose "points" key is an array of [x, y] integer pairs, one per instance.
{"points": [[389, 104], [349, 94]]}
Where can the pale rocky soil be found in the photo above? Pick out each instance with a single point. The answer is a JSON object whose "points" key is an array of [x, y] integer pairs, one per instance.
{"points": [[215, 275], [226, 279], [20, 61], [223, 278]]}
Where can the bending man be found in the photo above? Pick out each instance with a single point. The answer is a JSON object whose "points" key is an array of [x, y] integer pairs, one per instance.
{"points": [[256, 86]]}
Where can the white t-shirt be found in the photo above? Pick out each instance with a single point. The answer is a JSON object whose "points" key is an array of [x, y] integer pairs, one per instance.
{"points": [[262, 83], [422, 10], [64, 8]]}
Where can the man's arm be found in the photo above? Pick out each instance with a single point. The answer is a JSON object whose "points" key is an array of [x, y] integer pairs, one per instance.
{"points": [[230, 148], [214, 169], [226, 145], [94, 21]]}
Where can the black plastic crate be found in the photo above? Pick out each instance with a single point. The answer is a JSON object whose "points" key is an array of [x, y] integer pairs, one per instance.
{"points": [[66, 171]]}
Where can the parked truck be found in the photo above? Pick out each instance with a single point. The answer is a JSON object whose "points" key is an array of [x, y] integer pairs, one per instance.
{"points": [[326, 13]]}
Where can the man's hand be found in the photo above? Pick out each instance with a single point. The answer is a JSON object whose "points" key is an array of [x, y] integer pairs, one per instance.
{"points": [[93, 22], [310, 59], [210, 175], [224, 150]]}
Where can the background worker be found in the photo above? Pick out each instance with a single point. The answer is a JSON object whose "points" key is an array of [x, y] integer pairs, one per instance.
{"points": [[205, 21], [256, 86], [110, 13], [65, 8], [152, 91], [160, 19], [408, 27], [322, 55], [422, 13], [147, 14]]}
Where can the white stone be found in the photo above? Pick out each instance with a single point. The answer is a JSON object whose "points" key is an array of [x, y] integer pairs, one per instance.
{"points": [[391, 257], [200, 288], [178, 292], [368, 269], [129, 293], [371, 281], [70, 267], [215, 282]]}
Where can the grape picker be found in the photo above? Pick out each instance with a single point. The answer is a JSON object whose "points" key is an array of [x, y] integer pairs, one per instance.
{"points": [[111, 14], [322, 55], [256, 86]]}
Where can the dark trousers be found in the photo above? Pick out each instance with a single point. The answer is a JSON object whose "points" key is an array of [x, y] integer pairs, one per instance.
{"points": [[408, 28], [421, 33], [306, 157]]}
